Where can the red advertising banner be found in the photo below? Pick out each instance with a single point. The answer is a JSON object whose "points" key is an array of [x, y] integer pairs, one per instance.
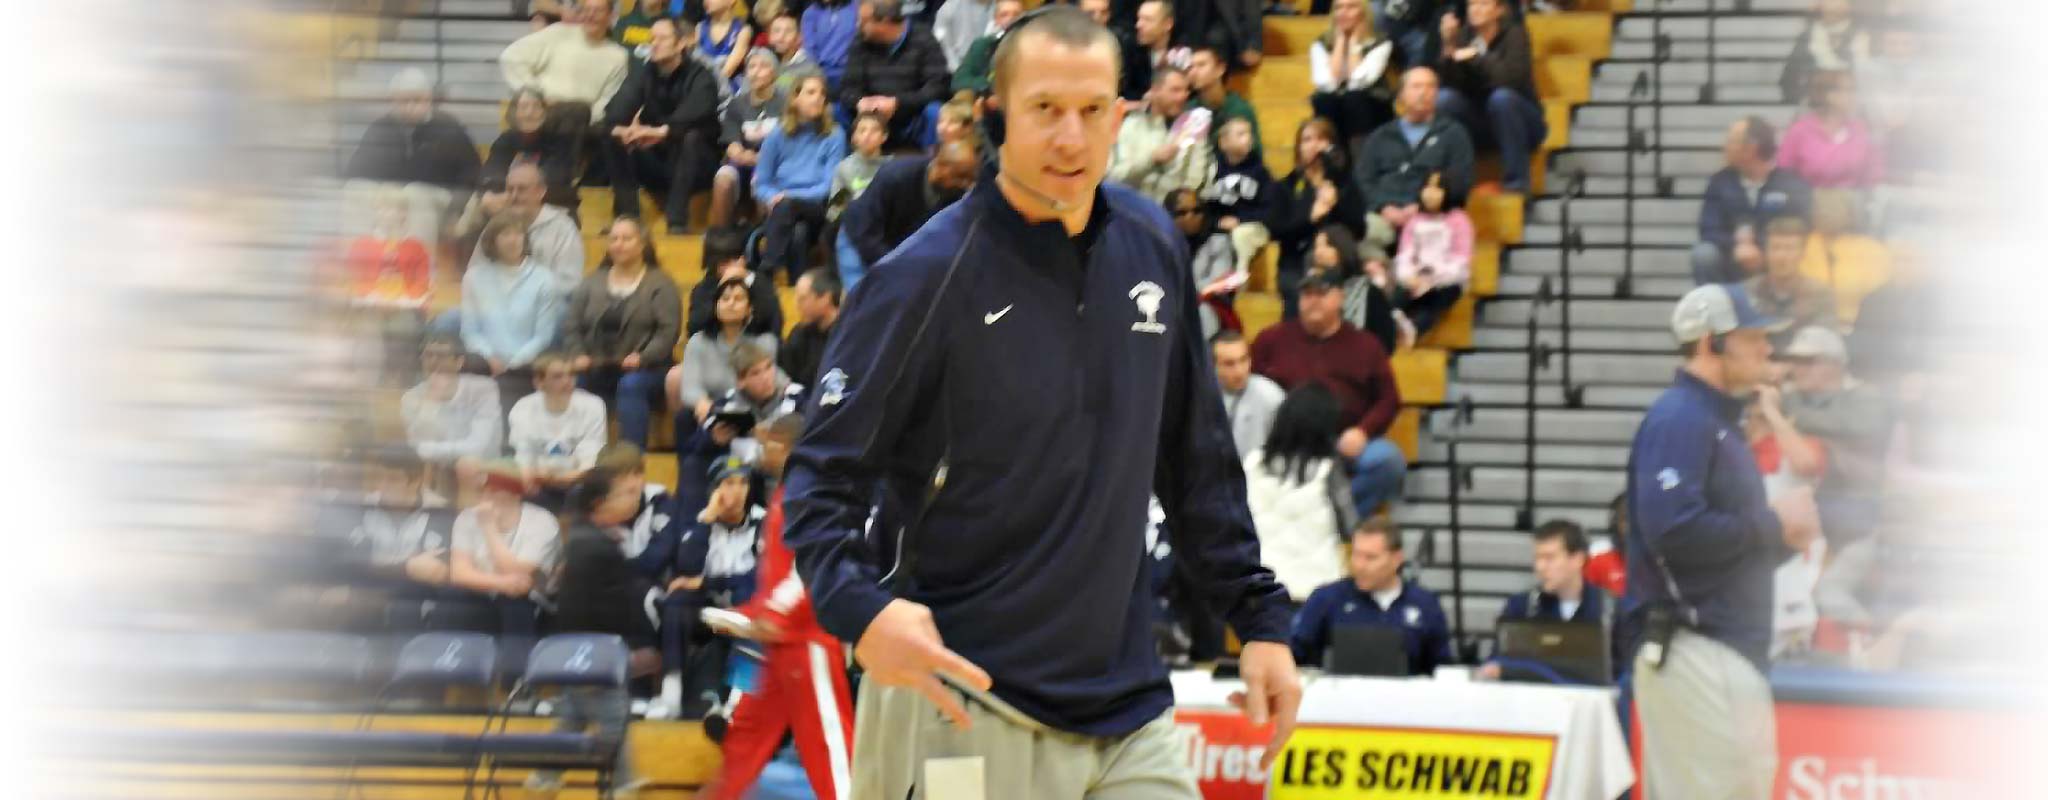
{"points": [[1224, 751], [1846, 752]]}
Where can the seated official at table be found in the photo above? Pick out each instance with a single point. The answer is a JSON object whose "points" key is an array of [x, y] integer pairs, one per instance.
{"points": [[1374, 595], [1561, 593]]}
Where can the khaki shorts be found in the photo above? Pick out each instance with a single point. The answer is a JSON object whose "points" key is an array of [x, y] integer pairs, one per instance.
{"points": [[897, 733]]}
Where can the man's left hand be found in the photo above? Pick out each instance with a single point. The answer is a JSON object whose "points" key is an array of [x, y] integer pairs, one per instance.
{"points": [[1272, 691]]}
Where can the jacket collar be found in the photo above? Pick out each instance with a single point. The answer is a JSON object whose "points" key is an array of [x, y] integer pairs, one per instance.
{"points": [[988, 198], [1726, 406]]}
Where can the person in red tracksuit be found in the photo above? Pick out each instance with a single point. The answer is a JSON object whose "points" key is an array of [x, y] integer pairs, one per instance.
{"points": [[802, 686]]}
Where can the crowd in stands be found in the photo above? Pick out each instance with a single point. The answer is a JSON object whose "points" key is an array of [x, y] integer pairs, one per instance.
{"points": [[826, 133]]}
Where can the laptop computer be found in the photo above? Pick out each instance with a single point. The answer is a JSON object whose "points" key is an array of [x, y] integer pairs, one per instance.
{"points": [[1371, 650], [1543, 651]]}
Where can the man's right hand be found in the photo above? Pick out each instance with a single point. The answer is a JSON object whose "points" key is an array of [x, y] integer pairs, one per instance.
{"points": [[901, 647], [1798, 516]]}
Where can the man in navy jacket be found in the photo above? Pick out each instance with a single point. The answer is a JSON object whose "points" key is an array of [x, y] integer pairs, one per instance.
{"points": [[1375, 594], [1745, 196], [1703, 547], [1026, 369]]}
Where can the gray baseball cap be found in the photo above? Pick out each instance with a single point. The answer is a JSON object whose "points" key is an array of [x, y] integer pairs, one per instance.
{"points": [[1814, 341], [1715, 309]]}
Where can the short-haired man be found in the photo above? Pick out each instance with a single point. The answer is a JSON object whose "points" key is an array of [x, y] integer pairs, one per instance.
{"points": [[1854, 421], [1704, 545], [663, 128], [1249, 399], [817, 310], [1165, 146], [1400, 156], [792, 59], [553, 240], [1149, 47], [904, 195], [1562, 593], [555, 432], [452, 418], [426, 153], [1375, 594], [1740, 199], [1320, 346], [895, 70], [1207, 67], [1070, 402], [762, 393], [1792, 299]]}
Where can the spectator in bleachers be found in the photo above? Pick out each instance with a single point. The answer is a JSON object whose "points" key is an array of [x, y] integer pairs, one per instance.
{"points": [[1348, 65], [724, 259], [1154, 49], [1749, 192], [896, 70], [1830, 145], [1165, 146], [1318, 192], [761, 392], [786, 41], [1407, 24], [1781, 292], [1850, 264], [555, 432], [1434, 259], [1250, 400], [452, 419], [971, 73], [1367, 305], [904, 194], [626, 463], [956, 122], [576, 66], [723, 40], [851, 177], [528, 140], [511, 309], [1853, 419], [388, 273], [1240, 199], [553, 241], [1236, 28], [706, 372], [1789, 461], [718, 553], [1401, 155], [402, 529], [622, 327], [663, 130], [504, 549], [793, 176], [426, 153], [1300, 500], [1490, 86], [1833, 42], [635, 27], [601, 593], [1212, 262], [959, 24], [1206, 90], [1374, 594], [1321, 347], [817, 308], [749, 115], [829, 29]]}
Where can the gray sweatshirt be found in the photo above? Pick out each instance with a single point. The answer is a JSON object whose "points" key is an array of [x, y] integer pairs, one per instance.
{"points": [[707, 364]]}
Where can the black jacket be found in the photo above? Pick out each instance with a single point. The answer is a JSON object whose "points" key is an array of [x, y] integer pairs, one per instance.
{"points": [[913, 70], [685, 100], [547, 149], [599, 591], [1504, 65], [1393, 173], [1137, 73], [894, 207], [1292, 228], [703, 313], [800, 355], [438, 151]]}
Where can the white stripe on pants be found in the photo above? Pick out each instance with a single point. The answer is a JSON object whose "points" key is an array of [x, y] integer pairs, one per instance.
{"points": [[1710, 731]]}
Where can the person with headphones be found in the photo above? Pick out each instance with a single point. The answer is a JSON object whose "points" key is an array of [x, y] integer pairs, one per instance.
{"points": [[1703, 546], [1016, 380]]}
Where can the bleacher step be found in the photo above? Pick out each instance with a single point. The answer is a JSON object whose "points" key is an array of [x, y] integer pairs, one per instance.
{"points": [[1623, 368], [1507, 484], [1548, 394]]}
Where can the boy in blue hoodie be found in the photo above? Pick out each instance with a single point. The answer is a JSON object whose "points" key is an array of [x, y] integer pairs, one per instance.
{"points": [[1241, 195]]}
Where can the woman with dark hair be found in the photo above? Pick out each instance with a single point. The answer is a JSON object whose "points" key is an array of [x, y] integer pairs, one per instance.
{"points": [[1319, 191], [528, 139], [622, 327], [1300, 499], [1367, 306], [598, 591], [706, 373], [1214, 261]]}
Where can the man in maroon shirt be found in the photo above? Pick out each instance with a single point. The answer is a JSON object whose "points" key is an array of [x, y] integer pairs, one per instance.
{"points": [[1320, 346]]}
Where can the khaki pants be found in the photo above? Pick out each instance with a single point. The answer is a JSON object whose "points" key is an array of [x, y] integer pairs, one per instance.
{"points": [[897, 730], [1245, 241], [1710, 731]]}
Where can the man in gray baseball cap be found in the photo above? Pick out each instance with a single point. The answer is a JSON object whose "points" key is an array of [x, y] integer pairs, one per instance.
{"points": [[1703, 546]]}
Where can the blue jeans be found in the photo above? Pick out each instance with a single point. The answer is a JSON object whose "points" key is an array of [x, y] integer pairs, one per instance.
{"points": [[1376, 477], [631, 395], [1513, 124], [851, 270], [1411, 39]]}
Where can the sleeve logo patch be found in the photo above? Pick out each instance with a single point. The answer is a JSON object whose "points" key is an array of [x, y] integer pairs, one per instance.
{"points": [[832, 387], [1667, 479]]}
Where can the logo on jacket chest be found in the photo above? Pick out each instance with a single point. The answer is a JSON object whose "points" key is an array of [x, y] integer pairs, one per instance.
{"points": [[1148, 296]]}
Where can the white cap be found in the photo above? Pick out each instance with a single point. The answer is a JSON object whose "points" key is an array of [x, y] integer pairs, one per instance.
{"points": [[411, 79], [1712, 310], [1814, 341]]}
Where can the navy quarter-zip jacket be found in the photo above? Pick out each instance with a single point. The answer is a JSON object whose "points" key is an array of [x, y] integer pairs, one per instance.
{"points": [[1026, 392]]}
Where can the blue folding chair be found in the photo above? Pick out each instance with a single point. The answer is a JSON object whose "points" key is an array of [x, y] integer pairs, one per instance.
{"points": [[563, 661]]}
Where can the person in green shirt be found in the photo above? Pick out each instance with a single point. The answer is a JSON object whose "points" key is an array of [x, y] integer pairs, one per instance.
{"points": [[1205, 78], [972, 76]]}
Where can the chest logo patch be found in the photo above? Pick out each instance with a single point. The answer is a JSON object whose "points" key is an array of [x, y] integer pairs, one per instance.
{"points": [[1667, 479], [1148, 296], [1412, 616]]}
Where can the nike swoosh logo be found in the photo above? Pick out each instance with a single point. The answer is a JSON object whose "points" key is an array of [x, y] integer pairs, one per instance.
{"points": [[991, 317]]}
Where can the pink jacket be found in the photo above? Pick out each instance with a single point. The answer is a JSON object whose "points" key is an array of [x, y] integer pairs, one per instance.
{"points": [[1852, 162], [1442, 242]]}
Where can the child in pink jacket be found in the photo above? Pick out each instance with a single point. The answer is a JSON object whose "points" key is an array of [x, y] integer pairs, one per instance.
{"points": [[1434, 259]]}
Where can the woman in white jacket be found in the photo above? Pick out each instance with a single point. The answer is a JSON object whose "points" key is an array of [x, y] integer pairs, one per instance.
{"points": [[1348, 65], [1300, 498]]}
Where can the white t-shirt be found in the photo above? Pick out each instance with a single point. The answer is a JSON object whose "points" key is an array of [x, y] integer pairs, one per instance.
{"points": [[565, 442], [537, 538]]}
